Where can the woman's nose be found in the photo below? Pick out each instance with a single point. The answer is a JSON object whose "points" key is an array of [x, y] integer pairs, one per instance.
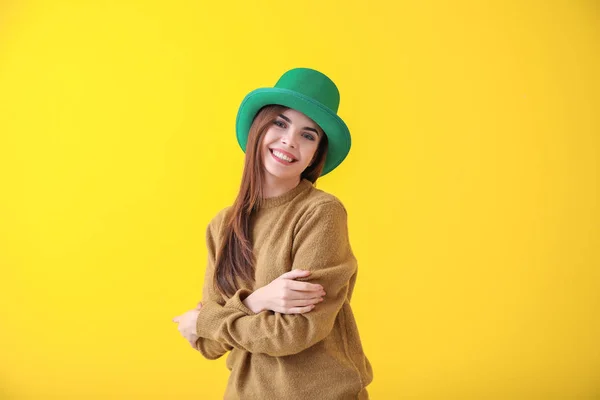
{"points": [[289, 140]]}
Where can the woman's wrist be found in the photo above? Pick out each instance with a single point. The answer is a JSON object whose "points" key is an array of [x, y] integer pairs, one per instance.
{"points": [[253, 303]]}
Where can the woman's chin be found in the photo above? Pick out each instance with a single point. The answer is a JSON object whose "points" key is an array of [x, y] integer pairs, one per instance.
{"points": [[282, 177], [282, 172], [278, 174]]}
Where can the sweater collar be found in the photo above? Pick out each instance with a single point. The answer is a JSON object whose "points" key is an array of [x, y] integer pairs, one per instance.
{"points": [[286, 197]]}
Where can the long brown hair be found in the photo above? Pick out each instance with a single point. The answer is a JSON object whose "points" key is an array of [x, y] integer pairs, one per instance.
{"points": [[235, 259]]}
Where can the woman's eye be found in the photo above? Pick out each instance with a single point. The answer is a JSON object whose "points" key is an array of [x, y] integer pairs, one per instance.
{"points": [[309, 136], [279, 124]]}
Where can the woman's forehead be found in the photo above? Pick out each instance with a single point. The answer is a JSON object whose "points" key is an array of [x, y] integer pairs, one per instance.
{"points": [[299, 118]]}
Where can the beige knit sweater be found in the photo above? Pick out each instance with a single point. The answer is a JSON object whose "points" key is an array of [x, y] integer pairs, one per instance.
{"points": [[273, 356]]}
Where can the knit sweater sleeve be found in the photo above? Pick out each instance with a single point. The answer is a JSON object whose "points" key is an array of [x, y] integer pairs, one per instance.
{"points": [[321, 245], [209, 348]]}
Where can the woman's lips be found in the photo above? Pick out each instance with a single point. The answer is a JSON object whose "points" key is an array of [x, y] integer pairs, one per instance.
{"points": [[279, 159]]}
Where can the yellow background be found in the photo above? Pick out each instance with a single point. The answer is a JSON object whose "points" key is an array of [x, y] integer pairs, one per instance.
{"points": [[471, 187]]}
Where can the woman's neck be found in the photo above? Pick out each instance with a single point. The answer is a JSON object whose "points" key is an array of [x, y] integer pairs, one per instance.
{"points": [[273, 186]]}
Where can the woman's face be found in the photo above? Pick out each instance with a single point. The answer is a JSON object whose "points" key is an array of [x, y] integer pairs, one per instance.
{"points": [[289, 144]]}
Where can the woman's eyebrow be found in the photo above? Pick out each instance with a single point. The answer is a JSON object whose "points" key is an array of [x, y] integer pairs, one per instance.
{"points": [[306, 127]]}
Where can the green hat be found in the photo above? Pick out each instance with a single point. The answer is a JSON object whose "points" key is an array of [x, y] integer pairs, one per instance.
{"points": [[310, 92]]}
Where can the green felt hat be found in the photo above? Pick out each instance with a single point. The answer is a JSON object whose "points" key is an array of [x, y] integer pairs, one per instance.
{"points": [[310, 92]]}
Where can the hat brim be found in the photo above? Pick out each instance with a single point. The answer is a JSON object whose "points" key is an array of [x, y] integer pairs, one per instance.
{"points": [[335, 128]]}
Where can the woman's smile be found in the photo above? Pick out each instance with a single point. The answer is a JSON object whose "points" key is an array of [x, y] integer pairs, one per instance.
{"points": [[282, 157]]}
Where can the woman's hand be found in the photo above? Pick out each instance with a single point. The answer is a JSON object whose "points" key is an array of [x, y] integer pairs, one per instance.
{"points": [[285, 295], [187, 324]]}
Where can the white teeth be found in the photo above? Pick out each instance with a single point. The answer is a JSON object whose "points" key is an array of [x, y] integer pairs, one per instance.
{"points": [[282, 156]]}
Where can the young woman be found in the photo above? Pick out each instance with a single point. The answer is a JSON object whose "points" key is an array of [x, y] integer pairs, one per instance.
{"points": [[288, 338]]}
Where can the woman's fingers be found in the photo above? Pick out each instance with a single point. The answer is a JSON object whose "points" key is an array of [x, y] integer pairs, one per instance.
{"points": [[298, 307], [295, 295], [295, 273], [304, 302], [304, 286], [302, 290], [300, 310]]}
